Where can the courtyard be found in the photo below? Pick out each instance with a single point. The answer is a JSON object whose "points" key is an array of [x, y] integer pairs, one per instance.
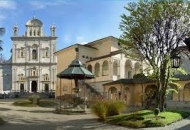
{"points": [[39, 118]]}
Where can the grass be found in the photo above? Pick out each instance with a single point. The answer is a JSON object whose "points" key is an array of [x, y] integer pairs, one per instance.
{"points": [[146, 118], [41, 103]]}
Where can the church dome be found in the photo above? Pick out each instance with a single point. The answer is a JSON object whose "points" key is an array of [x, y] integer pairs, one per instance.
{"points": [[34, 22]]}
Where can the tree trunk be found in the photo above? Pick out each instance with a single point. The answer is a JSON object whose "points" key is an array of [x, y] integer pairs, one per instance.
{"points": [[162, 100], [162, 86]]}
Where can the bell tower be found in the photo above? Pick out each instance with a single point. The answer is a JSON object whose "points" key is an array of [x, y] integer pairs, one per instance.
{"points": [[53, 30], [15, 31]]}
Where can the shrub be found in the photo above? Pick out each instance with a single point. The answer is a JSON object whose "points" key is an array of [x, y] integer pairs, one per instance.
{"points": [[34, 98], [103, 108], [100, 110], [114, 107], [156, 112]]}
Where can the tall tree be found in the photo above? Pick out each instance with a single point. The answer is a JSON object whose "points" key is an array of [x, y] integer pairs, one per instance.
{"points": [[156, 29], [2, 31]]}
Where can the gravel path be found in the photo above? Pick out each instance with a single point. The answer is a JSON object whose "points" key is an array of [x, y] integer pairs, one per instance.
{"points": [[38, 118]]}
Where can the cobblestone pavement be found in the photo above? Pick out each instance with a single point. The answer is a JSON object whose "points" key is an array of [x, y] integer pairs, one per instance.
{"points": [[38, 118]]}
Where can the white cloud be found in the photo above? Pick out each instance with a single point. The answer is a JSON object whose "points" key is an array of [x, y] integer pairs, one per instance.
{"points": [[8, 5], [6, 8], [67, 38], [44, 4], [80, 40]]}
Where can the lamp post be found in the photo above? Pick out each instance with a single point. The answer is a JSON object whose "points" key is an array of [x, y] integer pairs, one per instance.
{"points": [[175, 61]]}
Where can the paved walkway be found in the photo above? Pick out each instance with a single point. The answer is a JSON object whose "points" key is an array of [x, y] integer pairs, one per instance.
{"points": [[38, 118]]}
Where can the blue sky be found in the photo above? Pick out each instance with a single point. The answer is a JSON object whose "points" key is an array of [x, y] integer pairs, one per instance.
{"points": [[77, 21]]}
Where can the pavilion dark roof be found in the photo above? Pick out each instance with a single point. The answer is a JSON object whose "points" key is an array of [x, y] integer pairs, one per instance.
{"points": [[75, 71]]}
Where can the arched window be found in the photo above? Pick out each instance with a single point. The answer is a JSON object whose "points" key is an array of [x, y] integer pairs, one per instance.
{"points": [[116, 68], [128, 69], [126, 95], [97, 69], [21, 77], [34, 54], [46, 54], [30, 32], [105, 68], [90, 68], [46, 77], [38, 33], [172, 93], [33, 72], [34, 33], [186, 92], [112, 93], [137, 68], [21, 52]]}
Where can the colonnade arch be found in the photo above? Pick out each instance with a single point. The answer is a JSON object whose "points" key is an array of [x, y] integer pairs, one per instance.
{"points": [[106, 67], [112, 92]]}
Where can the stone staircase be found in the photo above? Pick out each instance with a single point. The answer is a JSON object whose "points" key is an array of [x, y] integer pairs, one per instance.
{"points": [[87, 92]]}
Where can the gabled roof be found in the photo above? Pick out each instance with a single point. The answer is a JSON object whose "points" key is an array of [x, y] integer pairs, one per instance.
{"points": [[66, 48], [100, 40], [86, 45]]}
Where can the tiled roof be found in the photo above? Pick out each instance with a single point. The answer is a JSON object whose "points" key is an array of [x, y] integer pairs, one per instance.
{"points": [[183, 77], [144, 79], [131, 81]]}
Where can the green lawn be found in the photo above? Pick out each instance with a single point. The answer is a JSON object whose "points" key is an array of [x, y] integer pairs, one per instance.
{"points": [[41, 103], [146, 118]]}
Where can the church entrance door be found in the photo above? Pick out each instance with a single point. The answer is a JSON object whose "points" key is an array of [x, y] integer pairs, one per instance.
{"points": [[34, 86]]}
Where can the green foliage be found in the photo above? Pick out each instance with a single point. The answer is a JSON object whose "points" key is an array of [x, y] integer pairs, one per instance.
{"points": [[147, 119], [154, 30], [136, 76], [156, 111], [114, 107], [24, 103], [100, 110], [47, 103], [41, 103], [35, 98], [104, 108]]}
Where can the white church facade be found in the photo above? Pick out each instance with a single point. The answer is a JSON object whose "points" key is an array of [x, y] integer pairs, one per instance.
{"points": [[33, 63]]}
